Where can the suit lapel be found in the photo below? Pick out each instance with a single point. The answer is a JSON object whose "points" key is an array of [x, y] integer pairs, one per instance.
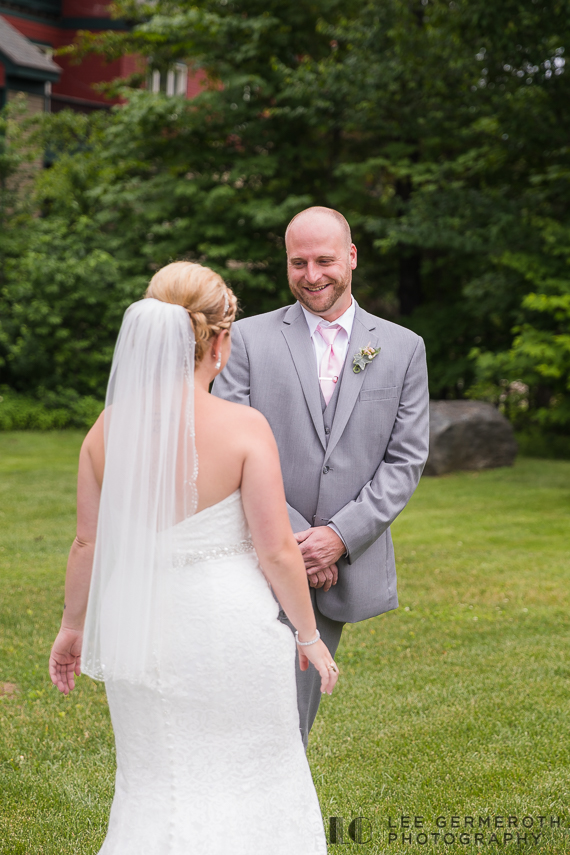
{"points": [[362, 335], [298, 340]]}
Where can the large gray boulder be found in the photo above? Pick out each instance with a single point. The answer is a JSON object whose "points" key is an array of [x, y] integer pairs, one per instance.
{"points": [[468, 435]]}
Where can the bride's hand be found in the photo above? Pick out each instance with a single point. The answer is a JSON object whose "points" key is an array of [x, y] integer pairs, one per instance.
{"points": [[65, 659], [318, 654]]}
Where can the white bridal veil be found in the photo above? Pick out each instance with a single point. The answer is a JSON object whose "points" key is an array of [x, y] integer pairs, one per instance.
{"points": [[149, 486]]}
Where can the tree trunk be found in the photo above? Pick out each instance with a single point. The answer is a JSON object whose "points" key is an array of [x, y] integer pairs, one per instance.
{"points": [[410, 293]]}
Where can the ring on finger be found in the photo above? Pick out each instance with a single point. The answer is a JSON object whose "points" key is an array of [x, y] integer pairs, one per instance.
{"points": [[332, 666]]}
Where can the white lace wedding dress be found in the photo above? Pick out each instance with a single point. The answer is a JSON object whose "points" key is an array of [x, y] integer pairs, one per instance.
{"points": [[210, 760]]}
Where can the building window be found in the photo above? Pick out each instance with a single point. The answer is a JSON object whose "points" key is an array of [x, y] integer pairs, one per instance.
{"points": [[47, 50], [171, 82]]}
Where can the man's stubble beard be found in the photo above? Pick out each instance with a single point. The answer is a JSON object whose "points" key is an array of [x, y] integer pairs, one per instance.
{"points": [[339, 287]]}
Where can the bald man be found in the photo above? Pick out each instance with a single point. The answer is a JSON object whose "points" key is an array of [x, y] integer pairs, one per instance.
{"points": [[346, 396]]}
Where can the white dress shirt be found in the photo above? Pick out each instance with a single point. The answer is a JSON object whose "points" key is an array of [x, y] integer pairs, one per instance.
{"points": [[341, 343], [342, 339]]}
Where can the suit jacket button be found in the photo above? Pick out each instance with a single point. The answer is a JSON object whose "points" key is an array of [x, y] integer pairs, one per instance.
{"points": [[325, 470]]}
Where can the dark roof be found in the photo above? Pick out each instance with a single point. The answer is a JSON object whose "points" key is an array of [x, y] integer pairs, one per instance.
{"points": [[22, 57]]}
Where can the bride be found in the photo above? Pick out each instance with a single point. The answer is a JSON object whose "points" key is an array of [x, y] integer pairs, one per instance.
{"points": [[182, 532]]}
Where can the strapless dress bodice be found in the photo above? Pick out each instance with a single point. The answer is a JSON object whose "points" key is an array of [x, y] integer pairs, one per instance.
{"points": [[223, 524]]}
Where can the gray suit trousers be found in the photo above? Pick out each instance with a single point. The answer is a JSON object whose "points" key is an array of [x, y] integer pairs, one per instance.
{"points": [[309, 681]]}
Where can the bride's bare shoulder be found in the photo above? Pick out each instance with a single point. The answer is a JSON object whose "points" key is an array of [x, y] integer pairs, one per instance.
{"points": [[96, 435], [242, 417]]}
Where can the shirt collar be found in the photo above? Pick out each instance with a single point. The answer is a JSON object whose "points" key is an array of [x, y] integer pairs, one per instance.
{"points": [[345, 321]]}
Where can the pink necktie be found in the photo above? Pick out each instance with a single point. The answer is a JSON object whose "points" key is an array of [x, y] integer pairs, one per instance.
{"points": [[330, 363]]}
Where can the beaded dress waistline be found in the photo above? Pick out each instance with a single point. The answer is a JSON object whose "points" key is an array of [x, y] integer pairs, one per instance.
{"points": [[184, 559]]}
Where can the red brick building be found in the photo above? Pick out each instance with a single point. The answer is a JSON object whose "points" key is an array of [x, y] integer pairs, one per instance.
{"points": [[30, 30]]}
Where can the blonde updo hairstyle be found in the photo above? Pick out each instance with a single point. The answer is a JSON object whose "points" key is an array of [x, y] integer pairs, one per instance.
{"points": [[211, 305]]}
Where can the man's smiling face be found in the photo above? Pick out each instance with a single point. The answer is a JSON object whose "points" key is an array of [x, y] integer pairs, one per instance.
{"points": [[320, 261]]}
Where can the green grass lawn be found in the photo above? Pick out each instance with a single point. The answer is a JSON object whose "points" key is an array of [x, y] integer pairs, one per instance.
{"points": [[454, 706]]}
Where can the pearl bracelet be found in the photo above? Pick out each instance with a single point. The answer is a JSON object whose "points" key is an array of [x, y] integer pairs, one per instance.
{"points": [[306, 643]]}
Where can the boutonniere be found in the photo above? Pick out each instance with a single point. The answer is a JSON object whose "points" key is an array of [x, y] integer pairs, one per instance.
{"points": [[363, 356]]}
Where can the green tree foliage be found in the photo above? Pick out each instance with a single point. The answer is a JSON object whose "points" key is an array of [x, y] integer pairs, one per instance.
{"points": [[459, 126], [16, 152], [63, 293], [439, 128], [540, 351]]}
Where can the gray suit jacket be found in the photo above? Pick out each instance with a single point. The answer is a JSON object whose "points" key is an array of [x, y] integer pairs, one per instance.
{"points": [[364, 476]]}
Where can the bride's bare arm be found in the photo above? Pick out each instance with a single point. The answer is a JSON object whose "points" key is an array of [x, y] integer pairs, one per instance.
{"points": [[281, 560], [65, 657]]}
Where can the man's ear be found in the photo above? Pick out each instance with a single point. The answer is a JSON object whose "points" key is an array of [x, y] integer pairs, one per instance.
{"points": [[353, 256]]}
